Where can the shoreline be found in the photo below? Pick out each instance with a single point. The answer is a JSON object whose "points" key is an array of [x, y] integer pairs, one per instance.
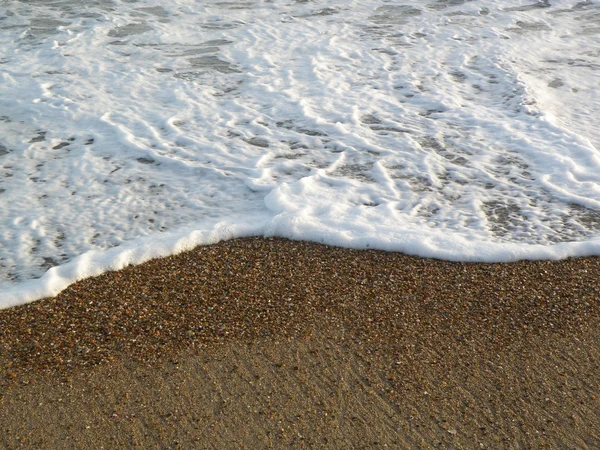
{"points": [[466, 341]]}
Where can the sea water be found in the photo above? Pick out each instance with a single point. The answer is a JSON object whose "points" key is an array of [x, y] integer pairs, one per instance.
{"points": [[454, 129]]}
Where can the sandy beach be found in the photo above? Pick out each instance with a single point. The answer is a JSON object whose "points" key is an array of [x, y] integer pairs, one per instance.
{"points": [[269, 343]]}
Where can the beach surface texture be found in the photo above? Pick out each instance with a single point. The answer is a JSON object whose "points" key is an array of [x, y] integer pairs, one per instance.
{"points": [[258, 343]]}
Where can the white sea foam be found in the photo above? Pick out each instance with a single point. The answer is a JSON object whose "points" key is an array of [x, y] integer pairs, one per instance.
{"points": [[463, 130]]}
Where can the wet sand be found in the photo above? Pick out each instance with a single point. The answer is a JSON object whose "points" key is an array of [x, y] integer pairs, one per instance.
{"points": [[258, 343]]}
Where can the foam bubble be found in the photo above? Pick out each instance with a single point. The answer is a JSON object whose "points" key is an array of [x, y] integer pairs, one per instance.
{"points": [[130, 131]]}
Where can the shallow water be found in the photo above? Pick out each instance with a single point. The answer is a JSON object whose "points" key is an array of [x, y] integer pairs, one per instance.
{"points": [[464, 130]]}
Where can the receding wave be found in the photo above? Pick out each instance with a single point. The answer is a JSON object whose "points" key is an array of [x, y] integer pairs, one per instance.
{"points": [[456, 130]]}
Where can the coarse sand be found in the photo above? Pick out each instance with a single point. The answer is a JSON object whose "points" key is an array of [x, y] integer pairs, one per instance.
{"points": [[269, 343]]}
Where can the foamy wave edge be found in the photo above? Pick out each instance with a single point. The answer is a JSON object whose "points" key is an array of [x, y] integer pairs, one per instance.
{"points": [[422, 243]]}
